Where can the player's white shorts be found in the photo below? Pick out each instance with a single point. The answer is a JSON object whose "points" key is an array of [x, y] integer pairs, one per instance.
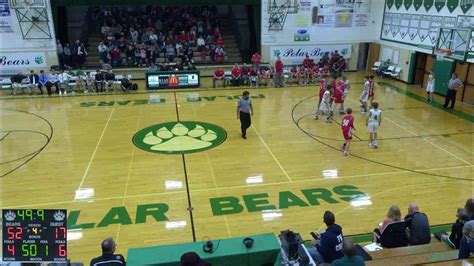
{"points": [[430, 88], [324, 108], [364, 96], [372, 127]]}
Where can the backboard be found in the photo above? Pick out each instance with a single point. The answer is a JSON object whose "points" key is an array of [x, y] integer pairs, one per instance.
{"points": [[454, 43]]}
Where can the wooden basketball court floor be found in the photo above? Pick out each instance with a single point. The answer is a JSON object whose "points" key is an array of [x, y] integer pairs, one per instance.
{"points": [[71, 153]]}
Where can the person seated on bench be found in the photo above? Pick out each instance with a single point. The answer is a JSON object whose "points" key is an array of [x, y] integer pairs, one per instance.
{"points": [[328, 245], [17, 80], [350, 255], [393, 215], [454, 238], [126, 83], [418, 227], [466, 247], [219, 75]]}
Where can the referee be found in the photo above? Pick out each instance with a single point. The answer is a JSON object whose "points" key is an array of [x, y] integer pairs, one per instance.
{"points": [[244, 111]]}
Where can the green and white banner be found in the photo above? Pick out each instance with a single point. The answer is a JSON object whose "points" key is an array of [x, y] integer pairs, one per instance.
{"points": [[406, 22], [22, 61]]}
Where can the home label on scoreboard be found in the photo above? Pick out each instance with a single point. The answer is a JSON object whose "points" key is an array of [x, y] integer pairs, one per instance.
{"points": [[34, 235]]}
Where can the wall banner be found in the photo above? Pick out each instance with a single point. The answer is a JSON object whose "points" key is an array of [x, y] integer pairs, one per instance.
{"points": [[296, 54], [5, 17], [22, 61]]}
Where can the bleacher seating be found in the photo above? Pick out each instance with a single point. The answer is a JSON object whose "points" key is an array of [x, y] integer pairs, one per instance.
{"points": [[196, 17]]}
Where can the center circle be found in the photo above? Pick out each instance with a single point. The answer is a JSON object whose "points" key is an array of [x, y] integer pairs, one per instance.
{"points": [[179, 137]]}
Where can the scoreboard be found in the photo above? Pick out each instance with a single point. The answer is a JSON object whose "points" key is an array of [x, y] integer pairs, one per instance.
{"points": [[172, 79], [34, 235]]}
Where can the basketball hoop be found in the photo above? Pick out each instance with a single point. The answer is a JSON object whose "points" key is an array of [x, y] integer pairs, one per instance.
{"points": [[442, 53]]}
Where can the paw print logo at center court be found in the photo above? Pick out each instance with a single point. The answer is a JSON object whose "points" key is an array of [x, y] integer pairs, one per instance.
{"points": [[179, 137]]}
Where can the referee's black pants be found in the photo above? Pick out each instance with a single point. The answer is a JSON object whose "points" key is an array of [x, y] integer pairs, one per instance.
{"points": [[450, 97], [245, 122]]}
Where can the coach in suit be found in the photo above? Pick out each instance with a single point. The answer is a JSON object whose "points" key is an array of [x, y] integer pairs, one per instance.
{"points": [[34, 81]]}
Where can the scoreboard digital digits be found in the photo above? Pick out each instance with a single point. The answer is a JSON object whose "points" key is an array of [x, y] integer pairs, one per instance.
{"points": [[31, 235], [172, 79]]}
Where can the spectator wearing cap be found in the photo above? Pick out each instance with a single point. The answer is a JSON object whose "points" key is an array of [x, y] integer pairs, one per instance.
{"points": [[418, 227], [466, 247], [350, 255], [108, 257]]}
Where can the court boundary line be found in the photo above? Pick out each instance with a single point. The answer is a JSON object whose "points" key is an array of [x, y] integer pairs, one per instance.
{"points": [[433, 144], [436, 105], [95, 151], [272, 154], [163, 91], [51, 133], [311, 179], [129, 174]]}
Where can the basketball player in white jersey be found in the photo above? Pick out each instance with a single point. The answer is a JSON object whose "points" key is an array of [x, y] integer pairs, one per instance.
{"points": [[373, 122], [325, 105], [364, 96], [430, 87]]}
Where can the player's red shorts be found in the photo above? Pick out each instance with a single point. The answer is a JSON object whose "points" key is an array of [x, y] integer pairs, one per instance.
{"points": [[371, 94], [347, 134], [338, 99]]}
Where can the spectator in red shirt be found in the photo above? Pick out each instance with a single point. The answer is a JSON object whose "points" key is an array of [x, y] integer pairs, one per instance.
{"points": [[307, 62], [253, 77], [278, 79], [220, 42], [256, 58], [293, 74], [342, 65], [236, 75], [116, 57], [219, 75]]}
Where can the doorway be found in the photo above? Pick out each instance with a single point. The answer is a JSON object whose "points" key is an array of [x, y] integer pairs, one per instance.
{"points": [[421, 59]]}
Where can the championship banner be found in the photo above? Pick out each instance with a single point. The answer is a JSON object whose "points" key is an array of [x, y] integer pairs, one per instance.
{"points": [[22, 61], [296, 54], [5, 17]]}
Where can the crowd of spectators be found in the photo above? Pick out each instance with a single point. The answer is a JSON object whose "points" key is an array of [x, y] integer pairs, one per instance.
{"points": [[137, 36], [330, 64]]}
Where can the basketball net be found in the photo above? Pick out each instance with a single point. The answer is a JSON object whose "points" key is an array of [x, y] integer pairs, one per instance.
{"points": [[442, 53]]}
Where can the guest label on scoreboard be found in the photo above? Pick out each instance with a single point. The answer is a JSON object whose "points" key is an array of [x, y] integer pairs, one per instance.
{"points": [[34, 235]]}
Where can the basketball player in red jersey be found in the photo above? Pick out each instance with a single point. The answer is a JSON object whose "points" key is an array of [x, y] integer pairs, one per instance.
{"points": [[322, 89], [371, 89], [338, 97], [347, 126]]}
